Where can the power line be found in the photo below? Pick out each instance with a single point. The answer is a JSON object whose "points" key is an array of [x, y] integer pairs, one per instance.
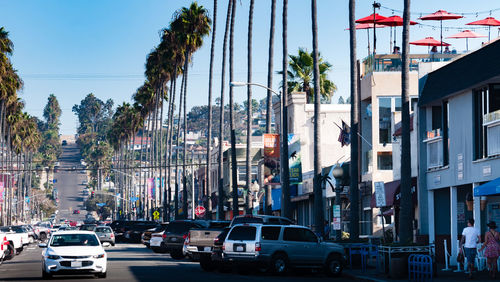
{"points": [[420, 14]]}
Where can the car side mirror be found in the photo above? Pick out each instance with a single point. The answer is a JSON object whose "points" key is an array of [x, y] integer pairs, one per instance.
{"points": [[106, 244], [42, 245]]}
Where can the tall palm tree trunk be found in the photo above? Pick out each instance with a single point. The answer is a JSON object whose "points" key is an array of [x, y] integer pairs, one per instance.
{"points": [[141, 153], [234, 166], [319, 215], [160, 154], [184, 161], [208, 176], [269, 98], [220, 182], [354, 173], [248, 163], [170, 140], [177, 154], [286, 205], [406, 209]]}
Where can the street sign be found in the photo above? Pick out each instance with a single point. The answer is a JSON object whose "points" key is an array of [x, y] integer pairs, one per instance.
{"points": [[336, 223], [199, 211], [156, 215], [380, 194], [336, 210]]}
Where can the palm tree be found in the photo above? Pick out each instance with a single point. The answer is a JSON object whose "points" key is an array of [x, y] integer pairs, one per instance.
{"points": [[319, 216], [191, 25], [301, 74], [286, 205], [406, 210], [209, 133], [249, 109], [269, 99], [234, 172], [220, 190], [354, 173]]}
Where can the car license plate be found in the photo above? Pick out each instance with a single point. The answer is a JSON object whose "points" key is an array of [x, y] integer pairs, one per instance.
{"points": [[76, 264], [239, 249], [173, 239], [207, 249], [127, 235]]}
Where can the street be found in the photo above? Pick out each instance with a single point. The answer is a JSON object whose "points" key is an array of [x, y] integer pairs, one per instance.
{"points": [[135, 262]]}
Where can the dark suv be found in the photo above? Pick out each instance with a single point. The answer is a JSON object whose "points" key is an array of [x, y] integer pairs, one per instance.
{"points": [[177, 233]]}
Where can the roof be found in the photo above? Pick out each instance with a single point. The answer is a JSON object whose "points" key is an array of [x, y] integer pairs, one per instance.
{"points": [[463, 73]]}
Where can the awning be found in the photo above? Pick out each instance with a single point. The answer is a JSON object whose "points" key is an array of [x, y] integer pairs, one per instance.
{"points": [[393, 193], [489, 188], [303, 197]]}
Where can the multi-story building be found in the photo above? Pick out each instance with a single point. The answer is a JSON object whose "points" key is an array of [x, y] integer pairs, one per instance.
{"points": [[459, 146], [301, 119]]}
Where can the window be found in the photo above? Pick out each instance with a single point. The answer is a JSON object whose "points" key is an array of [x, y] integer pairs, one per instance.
{"points": [[397, 104], [413, 104], [242, 173], [270, 233], [437, 117], [384, 160], [299, 235], [243, 233], [486, 112], [384, 118]]}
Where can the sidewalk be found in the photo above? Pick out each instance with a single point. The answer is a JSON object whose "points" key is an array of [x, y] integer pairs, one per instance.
{"points": [[371, 274]]}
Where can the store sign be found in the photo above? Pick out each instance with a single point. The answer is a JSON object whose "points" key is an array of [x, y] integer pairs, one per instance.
{"points": [[380, 194], [294, 158], [271, 159]]}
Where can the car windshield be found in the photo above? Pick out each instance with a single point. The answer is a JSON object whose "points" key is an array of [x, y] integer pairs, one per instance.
{"points": [[65, 240], [103, 229]]}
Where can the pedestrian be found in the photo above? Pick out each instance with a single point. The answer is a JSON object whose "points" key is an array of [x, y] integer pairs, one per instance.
{"points": [[326, 230], [470, 237], [491, 248]]}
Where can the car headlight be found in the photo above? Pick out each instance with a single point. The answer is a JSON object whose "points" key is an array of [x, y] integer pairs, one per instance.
{"points": [[98, 256], [53, 257]]}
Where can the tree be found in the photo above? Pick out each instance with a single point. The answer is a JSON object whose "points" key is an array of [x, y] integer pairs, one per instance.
{"points": [[220, 182], [209, 134], [301, 74], [354, 173], [234, 173], [319, 216], [406, 209], [341, 100], [248, 162], [52, 112]]}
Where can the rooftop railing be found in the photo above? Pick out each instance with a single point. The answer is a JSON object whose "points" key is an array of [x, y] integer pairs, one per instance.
{"points": [[393, 63]]}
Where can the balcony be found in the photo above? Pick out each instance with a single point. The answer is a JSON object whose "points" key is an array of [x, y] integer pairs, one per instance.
{"points": [[392, 62], [492, 123]]}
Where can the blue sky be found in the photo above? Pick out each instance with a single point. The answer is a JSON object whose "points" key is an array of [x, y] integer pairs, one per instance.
{"points": [[72, 48]]}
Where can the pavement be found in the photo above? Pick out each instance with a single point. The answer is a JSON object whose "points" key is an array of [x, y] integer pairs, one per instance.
{"points": [[135, 262]]}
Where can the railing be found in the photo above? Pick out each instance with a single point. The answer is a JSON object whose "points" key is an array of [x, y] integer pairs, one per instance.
{"points": [[393, 63]]}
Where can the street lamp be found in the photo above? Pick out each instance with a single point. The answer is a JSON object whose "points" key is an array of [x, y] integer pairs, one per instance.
{"points": [[285, 185], [338, 174]]}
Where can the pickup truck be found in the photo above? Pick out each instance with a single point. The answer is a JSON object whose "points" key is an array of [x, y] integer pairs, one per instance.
{"points": [[176, 234], [42, 230], [200, 241], [15, 240]]}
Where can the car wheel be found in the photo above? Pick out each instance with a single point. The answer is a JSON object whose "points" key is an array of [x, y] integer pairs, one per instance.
{"points": [[11, 253], [19, 250], [102, 275], [177, 255], [279, 264], [206, 263], [113, 244], [43, 236], [333, 266], [31, 240], [46, 276]]}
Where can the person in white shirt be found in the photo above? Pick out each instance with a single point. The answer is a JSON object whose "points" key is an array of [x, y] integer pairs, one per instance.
{"points": [[470, 238]]}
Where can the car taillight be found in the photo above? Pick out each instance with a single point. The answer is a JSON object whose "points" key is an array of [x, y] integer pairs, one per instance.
{"points": [[257, 247], [164, 236], [184, 236], [216, 240], [112, 235], [223, 247]]}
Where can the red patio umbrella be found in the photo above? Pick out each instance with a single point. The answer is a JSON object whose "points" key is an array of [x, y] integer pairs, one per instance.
{"points": [[429, 41], [394, 21], [367, 26], [467, 34], [489, 22], [441, 16], [373, 18]]}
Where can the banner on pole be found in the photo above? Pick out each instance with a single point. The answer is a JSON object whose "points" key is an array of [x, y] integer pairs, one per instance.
{"points": [[150, 187], [271, 159], [294, 158]]}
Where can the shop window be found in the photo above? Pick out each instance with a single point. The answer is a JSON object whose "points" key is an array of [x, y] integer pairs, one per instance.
{"points": [[384, 112], [486, 121], [384, 160]]}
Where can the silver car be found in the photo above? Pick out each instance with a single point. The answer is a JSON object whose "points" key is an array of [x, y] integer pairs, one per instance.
{"points": [[281, 247], [105, 234]]}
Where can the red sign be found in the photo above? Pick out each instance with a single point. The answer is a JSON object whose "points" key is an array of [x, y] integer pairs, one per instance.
{"points": [[272, 145], [199, 211]]}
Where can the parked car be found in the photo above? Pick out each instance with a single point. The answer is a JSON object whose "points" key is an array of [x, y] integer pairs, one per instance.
{"points": [[200, 242], [120, 227], [105, 234], [281, 247], [73, 252], [146, 235], [42, 230], [177, 233], [156, 243], [88, 227], [264, 219], [14, 239], [31, 232], [134, 231], [24, 233]]}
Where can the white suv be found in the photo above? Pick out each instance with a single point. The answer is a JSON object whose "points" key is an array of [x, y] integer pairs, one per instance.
{"points": [[281, 247]]}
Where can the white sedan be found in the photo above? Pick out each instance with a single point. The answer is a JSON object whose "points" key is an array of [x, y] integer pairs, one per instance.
{"points": [[73, 252]]}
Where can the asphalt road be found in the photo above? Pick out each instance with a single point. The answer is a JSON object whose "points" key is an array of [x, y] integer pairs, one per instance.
{"points": [[69, 184], [134, 262]]}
